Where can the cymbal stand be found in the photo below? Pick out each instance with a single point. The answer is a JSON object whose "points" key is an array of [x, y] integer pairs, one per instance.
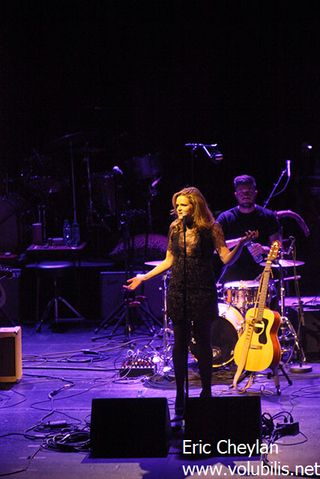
{"points": [[284, 323], [42, 219], [286, 328], [167, 355], [302, 367], [73, 185], [86, 160]]}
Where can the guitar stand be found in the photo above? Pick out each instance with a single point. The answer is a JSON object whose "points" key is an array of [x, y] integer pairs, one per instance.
{"points": [[275, 376]]}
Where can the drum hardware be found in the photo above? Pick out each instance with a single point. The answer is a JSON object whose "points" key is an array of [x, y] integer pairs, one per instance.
{"points": [[287, 339], [162, 357], [87, 162], [166, 331], [284, 263], [225, 333], [70, 141], [242, 294], [103, 195], [290, 334], [288, 278], [146, 167]]}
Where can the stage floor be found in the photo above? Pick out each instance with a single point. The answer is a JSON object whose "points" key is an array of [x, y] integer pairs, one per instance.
{"points": [[67, 366]]}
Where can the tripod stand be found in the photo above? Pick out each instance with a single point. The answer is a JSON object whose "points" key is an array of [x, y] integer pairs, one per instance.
{"points": [[302, 367], [133, 306]]}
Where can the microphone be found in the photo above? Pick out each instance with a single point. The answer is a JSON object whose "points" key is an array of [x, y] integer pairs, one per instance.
{"points": [[117, 170], [292, 244], [211, 150], [288, 163]]}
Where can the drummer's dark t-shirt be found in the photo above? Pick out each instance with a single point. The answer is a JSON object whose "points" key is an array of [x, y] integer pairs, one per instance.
{"points": [[235, 224]]}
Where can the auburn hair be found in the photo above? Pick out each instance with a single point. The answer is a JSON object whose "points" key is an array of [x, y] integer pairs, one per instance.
{"points": [[202, 216]]}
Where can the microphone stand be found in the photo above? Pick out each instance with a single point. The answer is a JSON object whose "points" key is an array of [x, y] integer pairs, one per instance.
{"points": [[274, 188], [211, 151], [186, 329]]}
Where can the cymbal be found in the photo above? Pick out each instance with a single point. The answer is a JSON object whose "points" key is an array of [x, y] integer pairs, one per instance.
{"points": [[152, 263], [285, 263], [79, 140], [64, 140]]}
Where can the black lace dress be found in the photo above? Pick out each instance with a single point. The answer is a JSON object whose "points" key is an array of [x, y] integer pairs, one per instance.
{"points": [[201, 294]]}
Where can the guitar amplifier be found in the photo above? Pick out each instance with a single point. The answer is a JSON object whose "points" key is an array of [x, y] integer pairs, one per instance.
{"points": [[10, 355]]}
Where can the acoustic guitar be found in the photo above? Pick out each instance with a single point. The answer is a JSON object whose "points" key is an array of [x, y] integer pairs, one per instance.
{"points": [[258, 347]]}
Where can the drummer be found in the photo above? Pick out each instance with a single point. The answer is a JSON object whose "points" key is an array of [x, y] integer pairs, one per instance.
{"points": [[247, 215]]}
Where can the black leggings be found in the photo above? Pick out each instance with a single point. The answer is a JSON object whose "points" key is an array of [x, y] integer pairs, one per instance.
{"points": [[201, 332]]}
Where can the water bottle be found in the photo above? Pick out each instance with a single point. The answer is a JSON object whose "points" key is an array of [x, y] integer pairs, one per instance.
{"points": [[258, 258], [75, 234], [66, 233]]}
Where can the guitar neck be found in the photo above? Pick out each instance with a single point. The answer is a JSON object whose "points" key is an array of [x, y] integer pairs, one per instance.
{"points": [[262, 293]]}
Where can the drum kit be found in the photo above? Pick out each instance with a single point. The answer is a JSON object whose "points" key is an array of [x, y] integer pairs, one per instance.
{"points": [[71, 178], [235, 298]]}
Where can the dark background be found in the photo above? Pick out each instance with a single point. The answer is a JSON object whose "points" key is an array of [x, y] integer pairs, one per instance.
{"points": [[128, 83]]}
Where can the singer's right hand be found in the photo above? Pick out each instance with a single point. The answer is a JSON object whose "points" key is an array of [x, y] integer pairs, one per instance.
{"points": [[133, 283]]}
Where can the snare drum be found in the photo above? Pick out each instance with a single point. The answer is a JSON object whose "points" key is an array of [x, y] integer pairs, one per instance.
{"points": [[225, 333], [243, 294]]}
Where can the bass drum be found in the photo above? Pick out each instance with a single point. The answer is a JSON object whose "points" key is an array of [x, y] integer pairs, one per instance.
{"points": [[225, 333]]}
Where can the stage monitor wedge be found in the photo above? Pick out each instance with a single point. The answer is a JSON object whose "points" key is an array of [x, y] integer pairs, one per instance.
{"points": [[226, 423], [130, 427]]}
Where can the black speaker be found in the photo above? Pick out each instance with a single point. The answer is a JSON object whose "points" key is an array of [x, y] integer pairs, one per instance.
{"points": [[311, 335], [310, 331], [126, 427], [224, 423]]}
